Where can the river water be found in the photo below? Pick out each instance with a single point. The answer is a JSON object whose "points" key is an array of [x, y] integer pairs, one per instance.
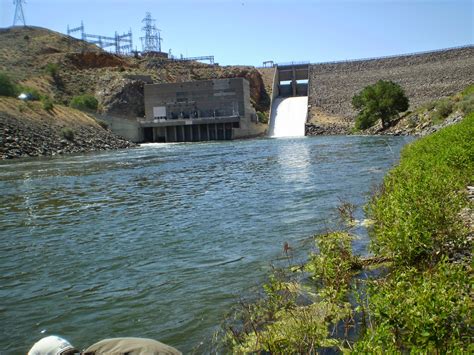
{"points": [[160, 241]]}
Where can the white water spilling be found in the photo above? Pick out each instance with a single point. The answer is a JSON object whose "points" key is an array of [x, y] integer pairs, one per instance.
{"points": [[288, 117]]}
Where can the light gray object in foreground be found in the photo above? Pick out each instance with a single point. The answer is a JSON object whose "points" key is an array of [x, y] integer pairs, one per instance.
{"points": [[51, 345]]}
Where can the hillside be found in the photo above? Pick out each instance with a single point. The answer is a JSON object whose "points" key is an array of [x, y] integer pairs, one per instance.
{"points": [[26, 52], [424, 77], [28, 131]]}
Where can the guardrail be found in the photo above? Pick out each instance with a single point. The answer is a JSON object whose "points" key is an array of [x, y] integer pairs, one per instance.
{"points": [[395, 55]]}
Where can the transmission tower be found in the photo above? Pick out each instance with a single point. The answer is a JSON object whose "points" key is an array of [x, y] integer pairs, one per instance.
{"points": [[19, 14], [152, 40]]}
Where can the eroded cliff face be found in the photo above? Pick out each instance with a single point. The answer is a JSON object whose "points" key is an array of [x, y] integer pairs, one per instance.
{"points": [[95, 60], [121, 97]]}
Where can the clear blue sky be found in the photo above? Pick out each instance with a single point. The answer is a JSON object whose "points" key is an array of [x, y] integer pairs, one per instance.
{"points": [[251, 31]]}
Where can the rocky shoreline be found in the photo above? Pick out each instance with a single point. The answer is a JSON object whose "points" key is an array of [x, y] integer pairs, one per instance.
{"points": [[312, 129], [22, 137]]}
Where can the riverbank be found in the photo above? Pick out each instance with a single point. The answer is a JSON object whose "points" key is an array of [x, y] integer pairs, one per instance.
{"points": [[30, 131], [414, 294], [430, 117]]}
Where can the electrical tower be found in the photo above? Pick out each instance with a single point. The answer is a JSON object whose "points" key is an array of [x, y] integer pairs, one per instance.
{"points": [[19, 14], [152, 40]]}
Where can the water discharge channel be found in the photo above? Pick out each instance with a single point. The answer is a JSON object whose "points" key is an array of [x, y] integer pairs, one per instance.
{"points": [[288, 117], [160, 241]]}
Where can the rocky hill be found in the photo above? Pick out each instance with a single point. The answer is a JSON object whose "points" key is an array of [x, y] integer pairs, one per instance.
{"points": [[26, 53], [28, 131], [61, 67], [425, 77]]}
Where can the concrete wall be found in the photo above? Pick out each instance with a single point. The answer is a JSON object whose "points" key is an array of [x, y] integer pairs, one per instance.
{"points": [[424, 77], [128, 128]]}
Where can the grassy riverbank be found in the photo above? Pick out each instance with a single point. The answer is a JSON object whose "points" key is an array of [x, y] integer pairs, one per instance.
{"points": [[414, 294]]}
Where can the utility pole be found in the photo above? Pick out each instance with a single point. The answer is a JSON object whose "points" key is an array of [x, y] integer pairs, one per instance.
{"points": [[152, 40], [19, 14]]}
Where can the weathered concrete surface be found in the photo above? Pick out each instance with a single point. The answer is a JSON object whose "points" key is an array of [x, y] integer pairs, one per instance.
{"points": [[424, 77]]}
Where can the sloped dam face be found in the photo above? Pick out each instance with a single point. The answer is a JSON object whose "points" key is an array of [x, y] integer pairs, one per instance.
{"points": [[288, 117]]}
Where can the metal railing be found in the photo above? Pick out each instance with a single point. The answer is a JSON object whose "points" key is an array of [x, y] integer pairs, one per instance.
{"points": [[395, 55]]}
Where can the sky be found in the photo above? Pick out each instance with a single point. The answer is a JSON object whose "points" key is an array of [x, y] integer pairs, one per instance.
{"points": [[248, 32]]}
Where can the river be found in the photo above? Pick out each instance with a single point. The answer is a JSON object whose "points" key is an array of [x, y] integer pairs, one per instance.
{"points": [[161, 240]]}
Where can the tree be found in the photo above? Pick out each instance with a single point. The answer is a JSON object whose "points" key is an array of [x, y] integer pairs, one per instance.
{"points": [[84, 102], [7, 87], [383, 100]]}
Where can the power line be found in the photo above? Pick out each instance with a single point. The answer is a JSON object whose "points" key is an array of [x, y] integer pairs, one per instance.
{"points": [[19, 14], [152, 40]]}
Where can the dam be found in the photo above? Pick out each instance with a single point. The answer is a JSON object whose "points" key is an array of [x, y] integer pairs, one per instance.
{"points": [[289, 108], [317, 94]]}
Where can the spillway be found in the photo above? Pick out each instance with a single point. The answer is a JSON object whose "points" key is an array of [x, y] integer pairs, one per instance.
{"points": [[288, 117]]}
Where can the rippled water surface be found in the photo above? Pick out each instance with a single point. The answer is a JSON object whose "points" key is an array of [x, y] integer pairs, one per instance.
{"points": [[160, 241]]}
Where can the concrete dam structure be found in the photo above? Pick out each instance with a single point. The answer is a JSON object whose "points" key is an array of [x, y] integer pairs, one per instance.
{"points": [[424, 77], [289, 107]]}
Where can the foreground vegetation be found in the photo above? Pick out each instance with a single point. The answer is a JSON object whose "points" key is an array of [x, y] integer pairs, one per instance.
{"points": [[413, 295]]}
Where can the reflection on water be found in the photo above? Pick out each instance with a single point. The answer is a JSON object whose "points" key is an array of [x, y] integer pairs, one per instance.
{"points": [[294, 160], [159, 241]]}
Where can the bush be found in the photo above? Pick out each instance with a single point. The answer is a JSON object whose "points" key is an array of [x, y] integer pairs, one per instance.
{"points": [[67, 133], [443, 109], [48, 104], [84, 103], [466, 105], [262, 117], [383, 100], [52, 69], [102, 123], [333, 266], [7, 87], [31, 92]]}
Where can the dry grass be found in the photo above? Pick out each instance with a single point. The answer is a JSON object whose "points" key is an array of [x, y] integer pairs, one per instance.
{"points": [[33, 111]]}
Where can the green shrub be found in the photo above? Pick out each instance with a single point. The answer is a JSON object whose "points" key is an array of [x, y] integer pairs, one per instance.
{"points": [[466, 104], [67, 133], [334, 264], [262, 117], [52, 69], [102, 123], [443, 109], [383, 100], [420, 312], [7, 87], [47, 103], [416, 213], [468, 91], [84, 102], [33, 93]]}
